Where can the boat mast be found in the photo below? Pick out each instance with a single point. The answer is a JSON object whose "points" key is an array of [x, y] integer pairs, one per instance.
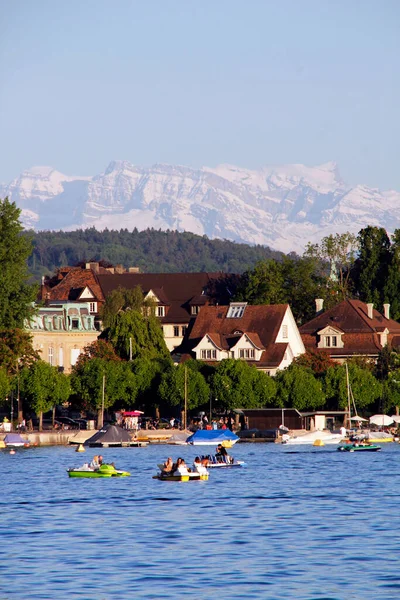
{"points": [[348, 395], [185, 412]]}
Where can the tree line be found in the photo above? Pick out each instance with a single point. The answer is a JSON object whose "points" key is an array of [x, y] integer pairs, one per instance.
{"points": [[132, 359], [153, 251]]}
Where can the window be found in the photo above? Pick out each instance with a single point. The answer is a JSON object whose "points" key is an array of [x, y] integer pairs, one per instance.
{"points": [[236, 310], [92, 307], [247, 353], [75, 352], [74, 323], [208, 354], [61, 357], [160, 311], [331, 341], [176, 331], [51, 356], [285, 332], [183, 329], [195, 310]]}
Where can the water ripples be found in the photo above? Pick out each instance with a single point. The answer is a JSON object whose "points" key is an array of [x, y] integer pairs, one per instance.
{"points": [[303, 524]]}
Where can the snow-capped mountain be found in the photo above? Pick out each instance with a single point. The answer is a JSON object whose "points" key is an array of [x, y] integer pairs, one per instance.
{"points": [[283, 207]]}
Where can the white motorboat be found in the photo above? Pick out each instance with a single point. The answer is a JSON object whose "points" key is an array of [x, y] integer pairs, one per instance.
{"points": [[310, 437]]}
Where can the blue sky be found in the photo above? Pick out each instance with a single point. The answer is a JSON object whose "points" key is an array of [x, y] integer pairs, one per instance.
{"points": [[201, 82]]}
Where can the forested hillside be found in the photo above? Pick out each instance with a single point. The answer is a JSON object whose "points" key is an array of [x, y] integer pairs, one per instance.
{"points": [[153, 251]]}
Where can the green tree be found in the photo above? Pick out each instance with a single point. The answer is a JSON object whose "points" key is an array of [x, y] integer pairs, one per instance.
{"points": [[172, 387], [5, 385], [339, 251], [318, 361], [391, 290], [148, 373], [136, 335], [97, 349], [264, 284], [303, 282], [365, 387], [38, 386], [371, 270], [16, 350], [16, 294], [123, 299], [297, 387], [88, 378], [236, 384]]}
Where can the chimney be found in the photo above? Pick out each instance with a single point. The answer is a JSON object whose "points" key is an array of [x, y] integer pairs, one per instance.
{"points": [[370, 308], [92, 265], [119, 269], [386, 311], [134, 270], [319, 305]]}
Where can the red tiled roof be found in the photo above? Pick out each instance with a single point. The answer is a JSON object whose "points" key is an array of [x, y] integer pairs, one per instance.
{"points": [[360, 333], [73, 284], [260, 323]]}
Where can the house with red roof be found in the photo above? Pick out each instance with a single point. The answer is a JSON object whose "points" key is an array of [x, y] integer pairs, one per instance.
{"points": [[351, 328], [178, 296], [265, 336]]}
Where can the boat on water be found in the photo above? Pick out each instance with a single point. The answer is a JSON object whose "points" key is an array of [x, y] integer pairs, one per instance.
{"points": [[215, 462], [15, 440], [359, 448], [205, 437], [311, 437], [103, 471], [182, 475]]}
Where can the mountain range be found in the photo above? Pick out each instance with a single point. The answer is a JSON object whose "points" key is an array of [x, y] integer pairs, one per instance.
{"points": [[283, 207]]}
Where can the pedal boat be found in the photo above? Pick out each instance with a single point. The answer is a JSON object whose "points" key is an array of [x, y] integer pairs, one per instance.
{"points": [[188, 476], [359, 448], [103, 471], [214, 463]]}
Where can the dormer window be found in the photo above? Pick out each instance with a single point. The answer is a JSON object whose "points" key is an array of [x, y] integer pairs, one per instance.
{"points": [[236, 310], [330, 341], [330, 337], [195, 310], [160, 311]]}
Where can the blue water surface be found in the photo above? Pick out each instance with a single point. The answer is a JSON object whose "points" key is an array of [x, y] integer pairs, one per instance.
{"points": [[302, 523]]}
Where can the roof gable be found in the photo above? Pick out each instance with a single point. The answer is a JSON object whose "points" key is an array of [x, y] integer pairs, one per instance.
{"points": [[350, 316], [260, 323]]}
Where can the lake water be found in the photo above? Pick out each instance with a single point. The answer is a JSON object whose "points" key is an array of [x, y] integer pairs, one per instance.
{"points": [[297, 522]]}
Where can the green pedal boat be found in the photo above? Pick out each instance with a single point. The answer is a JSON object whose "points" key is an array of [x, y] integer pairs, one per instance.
{"points": [[359, 448], [103, 471]]}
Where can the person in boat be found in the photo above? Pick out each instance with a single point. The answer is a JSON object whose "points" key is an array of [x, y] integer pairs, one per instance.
{"points": [[180, 467], [96, 462], [221, 453], [168, 466], [197, 463], [205, 461], [198, 466]]}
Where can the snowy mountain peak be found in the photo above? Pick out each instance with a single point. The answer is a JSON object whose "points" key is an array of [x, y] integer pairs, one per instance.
{"points": [[283, 207]]}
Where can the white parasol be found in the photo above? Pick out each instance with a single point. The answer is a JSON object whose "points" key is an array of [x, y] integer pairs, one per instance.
{"points": [[396, 418], [381, 420], [357, 418]]}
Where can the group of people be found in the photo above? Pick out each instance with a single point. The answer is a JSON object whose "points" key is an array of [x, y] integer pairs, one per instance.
{"points": [[180, 467]]}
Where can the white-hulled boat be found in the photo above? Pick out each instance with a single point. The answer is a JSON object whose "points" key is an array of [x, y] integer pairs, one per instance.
{"points": [[310, 437]]}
